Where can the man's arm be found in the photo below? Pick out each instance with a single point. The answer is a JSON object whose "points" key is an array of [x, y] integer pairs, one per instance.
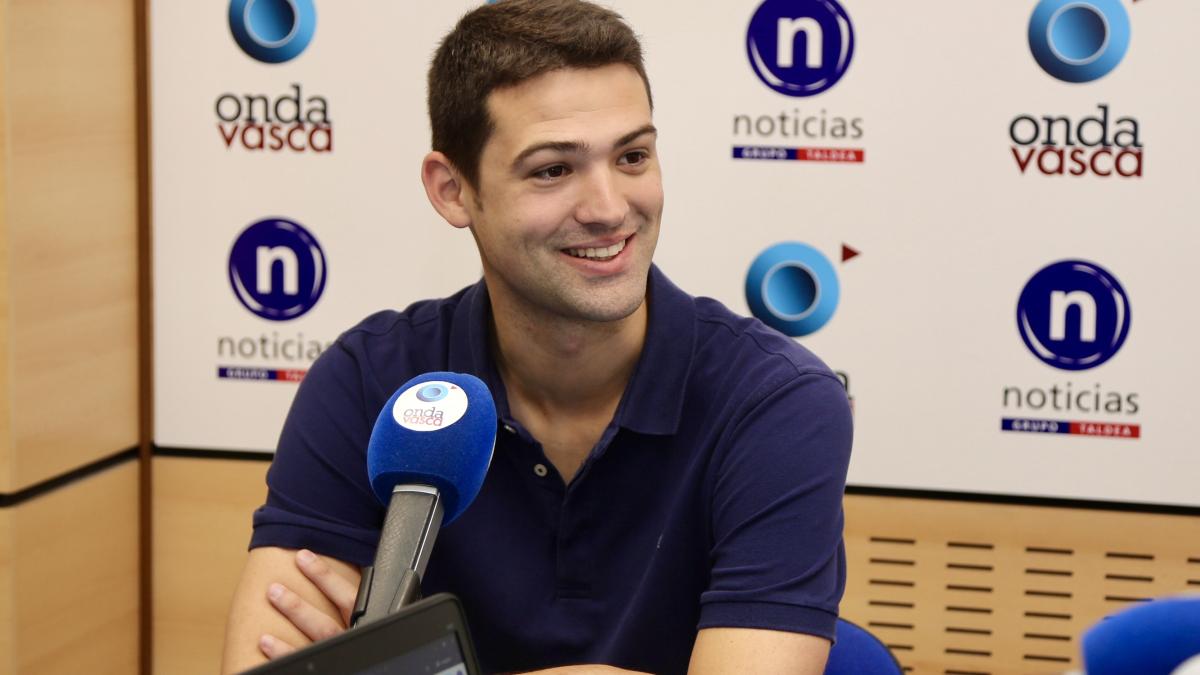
{"points": [[725, 651], [275, 584], [733, 651], [325, 596]]}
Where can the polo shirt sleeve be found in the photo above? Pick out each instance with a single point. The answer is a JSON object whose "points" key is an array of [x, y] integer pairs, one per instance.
{"points": [[318, 494], [778, 561]]}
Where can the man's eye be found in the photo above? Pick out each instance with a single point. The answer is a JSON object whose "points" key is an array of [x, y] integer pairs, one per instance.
{"points": [[635, 157], [551, 172]]}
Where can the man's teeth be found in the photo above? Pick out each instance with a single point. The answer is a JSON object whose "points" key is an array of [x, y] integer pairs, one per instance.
{"points": [[598, 253]]}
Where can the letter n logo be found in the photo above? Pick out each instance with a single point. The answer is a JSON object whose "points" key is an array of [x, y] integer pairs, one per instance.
{"points": [[1073, 315], [277, 269]]}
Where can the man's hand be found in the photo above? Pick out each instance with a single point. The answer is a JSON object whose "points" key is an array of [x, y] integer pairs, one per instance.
{"points": [[312, 622], [283, 602]]}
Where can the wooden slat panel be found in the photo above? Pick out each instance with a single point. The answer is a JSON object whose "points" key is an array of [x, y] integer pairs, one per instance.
{"points": [[989, 588], [74, 577], [70, 225], [202, 510]]}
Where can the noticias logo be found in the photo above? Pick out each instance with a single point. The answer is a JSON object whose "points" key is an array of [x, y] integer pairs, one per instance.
{"points": [[1079, 40], [792, 288], [277, 269], [272, 31], [1073, 315], [800, 47]]}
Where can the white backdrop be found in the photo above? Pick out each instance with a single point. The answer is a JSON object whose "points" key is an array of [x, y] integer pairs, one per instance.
{"points": [[949, 228]]}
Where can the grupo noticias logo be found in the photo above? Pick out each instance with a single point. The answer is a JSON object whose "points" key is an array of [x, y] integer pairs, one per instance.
{"points": [[800, 47], [793, 288], [1073, 315], [272, 31], [277, 269], [1079, 40]]}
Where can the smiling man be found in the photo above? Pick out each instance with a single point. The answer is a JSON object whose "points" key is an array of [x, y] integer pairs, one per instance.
{"points": [[666, 488]]}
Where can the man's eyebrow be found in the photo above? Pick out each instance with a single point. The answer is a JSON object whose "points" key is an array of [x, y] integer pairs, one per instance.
{"points": [[557, 146], [633, 135], [579, 146]]}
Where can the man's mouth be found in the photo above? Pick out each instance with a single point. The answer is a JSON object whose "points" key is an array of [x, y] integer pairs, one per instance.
{"points": [[599, 254]]}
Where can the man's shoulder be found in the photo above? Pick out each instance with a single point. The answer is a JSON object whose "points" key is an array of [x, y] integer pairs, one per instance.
{"points": [[389, 347], [424, 319], [739, 343]]}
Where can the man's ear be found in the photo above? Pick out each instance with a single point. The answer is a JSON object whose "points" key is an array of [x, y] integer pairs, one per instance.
{"points": [[446, 189]]}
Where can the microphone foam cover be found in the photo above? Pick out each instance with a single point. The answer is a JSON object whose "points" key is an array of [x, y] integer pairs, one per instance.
{"points": [[1150, 639], [438, 429]]}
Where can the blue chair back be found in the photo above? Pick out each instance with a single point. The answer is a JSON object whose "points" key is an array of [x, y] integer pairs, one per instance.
{"points": [[1154, 638], [858, 652]]}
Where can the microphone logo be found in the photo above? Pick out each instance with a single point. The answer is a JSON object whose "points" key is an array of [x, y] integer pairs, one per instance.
{"points": [[430, 406]]}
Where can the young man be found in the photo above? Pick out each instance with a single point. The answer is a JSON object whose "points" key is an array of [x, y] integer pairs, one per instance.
{"points": [[666, 488]]}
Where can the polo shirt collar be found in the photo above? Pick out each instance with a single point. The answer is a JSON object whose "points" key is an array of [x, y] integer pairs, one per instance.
{"points": [[470, 345], [653, 399]]}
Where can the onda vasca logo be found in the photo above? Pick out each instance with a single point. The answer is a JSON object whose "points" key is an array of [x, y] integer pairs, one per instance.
{"points": [[1077, 42], [274, 32], [1073, 316], [288, 122], [429, 406]]}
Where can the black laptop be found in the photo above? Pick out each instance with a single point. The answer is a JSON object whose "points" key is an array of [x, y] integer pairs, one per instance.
{"points": [[428, 637]]}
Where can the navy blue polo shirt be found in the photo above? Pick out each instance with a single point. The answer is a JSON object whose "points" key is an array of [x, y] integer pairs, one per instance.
{"points": [[713, 499]]}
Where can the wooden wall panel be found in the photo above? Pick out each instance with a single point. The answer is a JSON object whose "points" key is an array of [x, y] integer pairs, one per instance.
{"points": [[202, 510], [6, 449], [73, 576], [70, 228], [8, 662], [958, 587]]}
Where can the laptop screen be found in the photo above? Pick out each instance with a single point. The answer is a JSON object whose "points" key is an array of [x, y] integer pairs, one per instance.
{"points": [[429, 637], [440, 657]]}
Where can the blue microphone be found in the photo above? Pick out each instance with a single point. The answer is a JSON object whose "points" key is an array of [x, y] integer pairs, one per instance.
{"points": [[428, 455], [1150, 639]]}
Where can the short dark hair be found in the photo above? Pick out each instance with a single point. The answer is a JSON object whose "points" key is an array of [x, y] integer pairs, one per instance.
{"points": [[502, 44]]}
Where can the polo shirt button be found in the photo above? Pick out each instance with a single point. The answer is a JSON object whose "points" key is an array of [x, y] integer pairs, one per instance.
{"points": [[509, 429], [540, 470]]}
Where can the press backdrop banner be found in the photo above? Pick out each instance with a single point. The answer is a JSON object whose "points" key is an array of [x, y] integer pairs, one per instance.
{"points": [[983, 219]]}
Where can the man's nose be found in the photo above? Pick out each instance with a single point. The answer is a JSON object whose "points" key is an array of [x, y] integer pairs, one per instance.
{"points": [[601, 201]]}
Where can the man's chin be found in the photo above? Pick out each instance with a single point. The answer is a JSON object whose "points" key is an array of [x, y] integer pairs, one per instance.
{"points": [[600, 309]]}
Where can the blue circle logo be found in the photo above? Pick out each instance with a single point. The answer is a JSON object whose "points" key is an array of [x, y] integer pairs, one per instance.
{"points": [[1079, 40], [792, 288], [800, 47], [1073, 315], [432, 393], [277, 269], [272, 31]]}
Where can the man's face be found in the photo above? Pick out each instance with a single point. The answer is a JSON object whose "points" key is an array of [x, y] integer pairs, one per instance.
{"points": [[570, 194]]}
